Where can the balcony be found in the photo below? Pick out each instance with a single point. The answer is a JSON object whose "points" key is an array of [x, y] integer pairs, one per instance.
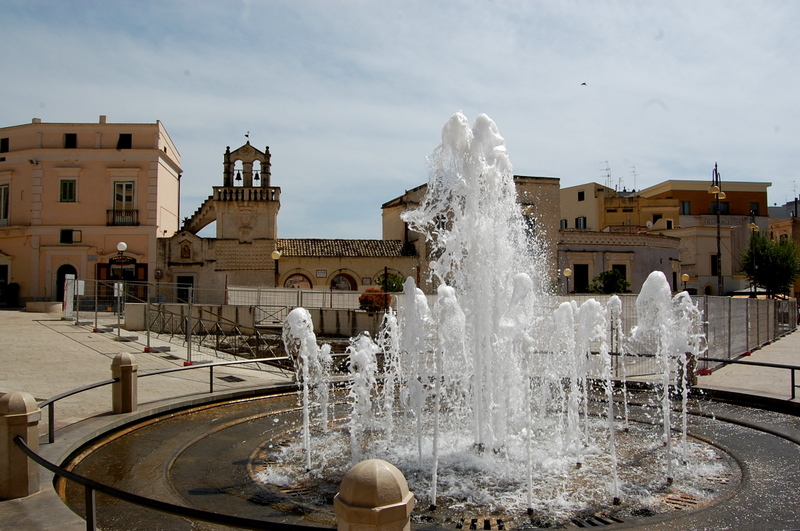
{"points": [[238, 193], [122, 218]]}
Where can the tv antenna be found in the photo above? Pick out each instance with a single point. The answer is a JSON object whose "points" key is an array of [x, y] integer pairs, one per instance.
{"points": [[635, 175], [607, 173]]}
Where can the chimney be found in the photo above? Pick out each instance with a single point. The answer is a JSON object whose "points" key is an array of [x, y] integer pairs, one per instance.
{"points": [[102, 118]]}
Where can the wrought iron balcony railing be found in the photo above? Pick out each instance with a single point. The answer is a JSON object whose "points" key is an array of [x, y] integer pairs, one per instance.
{"points": [[118, 218]]}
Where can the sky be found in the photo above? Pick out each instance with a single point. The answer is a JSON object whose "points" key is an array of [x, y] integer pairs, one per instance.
{"points": [[351, 95]]}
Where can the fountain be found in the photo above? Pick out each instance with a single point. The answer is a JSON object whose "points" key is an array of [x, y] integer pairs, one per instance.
{"points": [[494, 381], [494, 400]]}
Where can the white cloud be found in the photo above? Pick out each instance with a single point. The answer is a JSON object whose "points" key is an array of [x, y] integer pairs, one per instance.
{"points": [[351, 95]]}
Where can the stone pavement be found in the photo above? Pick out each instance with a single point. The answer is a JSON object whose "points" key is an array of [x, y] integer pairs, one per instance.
{"points": [[43, 355], [760, 381]]}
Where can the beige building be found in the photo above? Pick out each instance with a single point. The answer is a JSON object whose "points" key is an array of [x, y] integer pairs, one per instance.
{"points": [[582, 206], [588, 253], [538, 198], [71, 193], [247, 252], [680, 209], [787, 228], [706, 223]]}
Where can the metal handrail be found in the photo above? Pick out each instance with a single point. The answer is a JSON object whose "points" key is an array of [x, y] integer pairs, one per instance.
{"points": [[51, 416], [51, 410], [91, 486], [791, 368]]}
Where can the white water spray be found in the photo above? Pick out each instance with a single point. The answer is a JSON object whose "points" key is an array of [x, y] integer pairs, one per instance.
{"points": [[495, 380], [313, 369]]}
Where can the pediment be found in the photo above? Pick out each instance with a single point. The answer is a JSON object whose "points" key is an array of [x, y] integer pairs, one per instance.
{"points": [[248, 153]]}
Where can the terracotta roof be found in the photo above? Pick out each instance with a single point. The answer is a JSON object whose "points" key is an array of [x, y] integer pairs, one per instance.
{"points": [[349, 248]]}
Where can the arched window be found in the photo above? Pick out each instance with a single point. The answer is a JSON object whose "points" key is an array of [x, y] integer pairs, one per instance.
{"points": [[257, 173], [238, 171]]}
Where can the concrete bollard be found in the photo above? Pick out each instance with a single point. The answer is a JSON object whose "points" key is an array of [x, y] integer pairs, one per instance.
{"points": [[19, 415], [125, 396], [373, 495]]}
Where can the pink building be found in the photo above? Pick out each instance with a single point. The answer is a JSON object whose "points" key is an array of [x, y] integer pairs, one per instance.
{"points": [[71, 193]]}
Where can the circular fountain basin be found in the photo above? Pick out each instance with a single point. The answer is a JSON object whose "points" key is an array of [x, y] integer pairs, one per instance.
{"points": [[229, 457]]}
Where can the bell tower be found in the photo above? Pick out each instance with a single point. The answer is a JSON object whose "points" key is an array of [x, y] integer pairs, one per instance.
{"points": [[246, 205], [245, 177]]}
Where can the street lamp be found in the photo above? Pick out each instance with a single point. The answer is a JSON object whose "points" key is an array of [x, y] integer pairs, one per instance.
{"points": [[753, 229], [276, 255], [567, 274], [119, 288], [716, 190], [685, 279]]}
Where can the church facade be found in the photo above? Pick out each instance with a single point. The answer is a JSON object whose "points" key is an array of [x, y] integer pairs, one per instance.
{"points": [[247, 252]]}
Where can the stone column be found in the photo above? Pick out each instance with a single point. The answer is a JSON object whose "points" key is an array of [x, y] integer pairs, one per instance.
{"points": [[125, 397], [19, 475], [374, 495]]}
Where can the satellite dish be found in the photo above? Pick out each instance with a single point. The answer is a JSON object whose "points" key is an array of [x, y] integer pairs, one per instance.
{"points": [[649, 224]]}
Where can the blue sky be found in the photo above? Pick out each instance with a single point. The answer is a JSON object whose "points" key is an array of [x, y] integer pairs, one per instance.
{"points": [[351, 96]]}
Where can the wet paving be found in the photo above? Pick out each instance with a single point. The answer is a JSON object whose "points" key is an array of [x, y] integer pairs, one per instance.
{"points": [[206, 456]]}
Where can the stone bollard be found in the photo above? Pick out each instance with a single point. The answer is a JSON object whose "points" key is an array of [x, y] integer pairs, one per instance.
{"points": [[19, 415], [373, 495], [125, 397]]}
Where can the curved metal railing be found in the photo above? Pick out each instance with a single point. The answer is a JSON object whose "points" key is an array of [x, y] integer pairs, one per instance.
{"points": [[50, 402], [91, 487]]}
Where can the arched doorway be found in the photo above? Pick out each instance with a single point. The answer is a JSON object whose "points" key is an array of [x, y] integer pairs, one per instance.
{"points": [[297, 281], [61, 276], [343, 282]]}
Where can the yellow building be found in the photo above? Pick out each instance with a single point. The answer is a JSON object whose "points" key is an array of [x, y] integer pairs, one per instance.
{"points": [[70, 193]]}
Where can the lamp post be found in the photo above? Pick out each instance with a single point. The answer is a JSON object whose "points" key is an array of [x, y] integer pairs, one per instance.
{"points": [[716, 190], [119, 288], [276, 255], [685, 279], [753, 229], [567, 274]]}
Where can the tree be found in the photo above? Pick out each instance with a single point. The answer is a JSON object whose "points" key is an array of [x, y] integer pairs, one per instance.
{"points": [[394, 282], [772, 265], [608, 282]]}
